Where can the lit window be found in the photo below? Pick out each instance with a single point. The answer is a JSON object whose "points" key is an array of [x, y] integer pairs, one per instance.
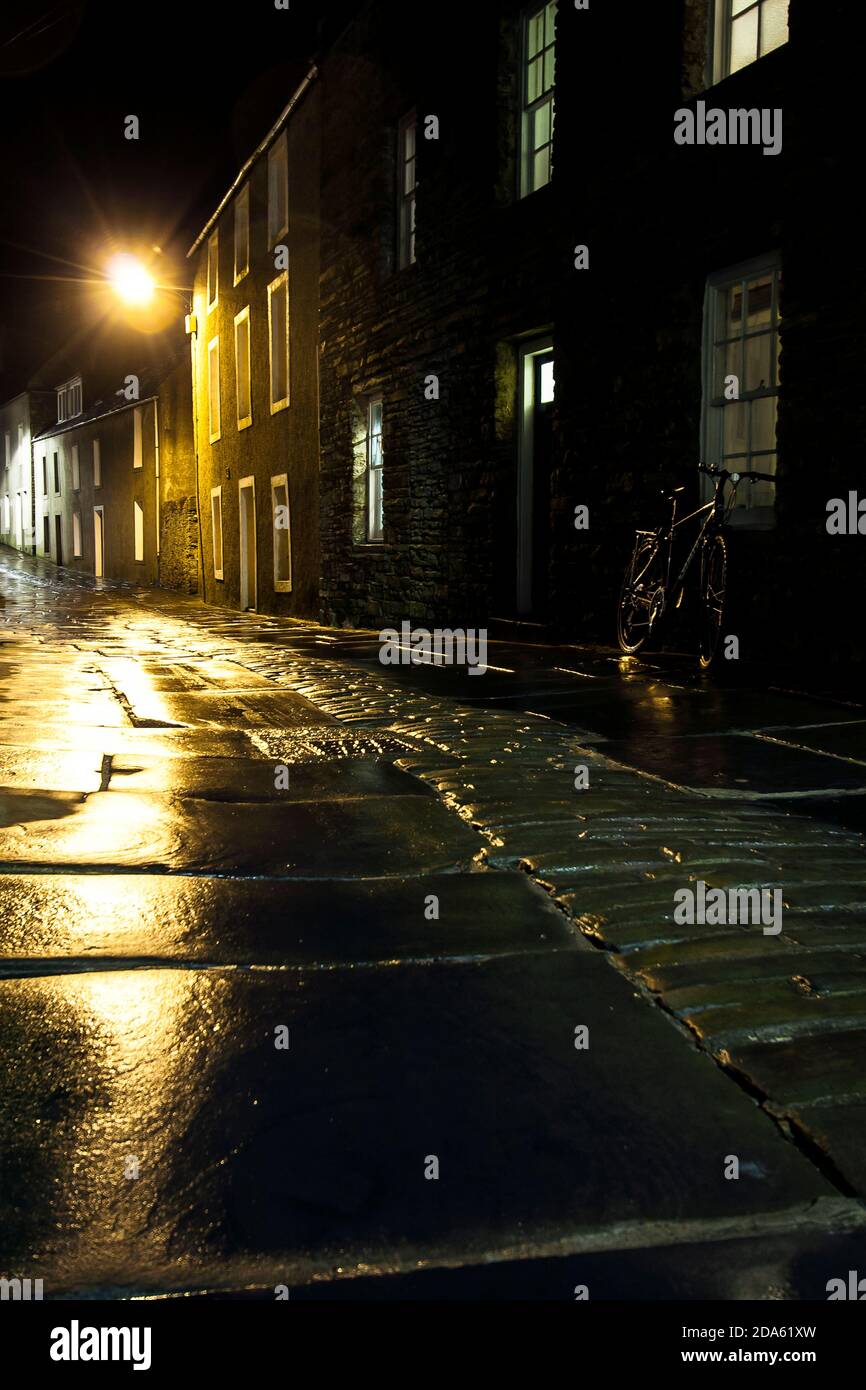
{"points": [[216, 518], [282, 534], [138, 517], [741, 385], [97, 464], [213, 266], [137, 457], [744, 30], [242, 233], [76, 469], [546, 384], [213, 389], [242, 368], [76, 534], [539, 72], [278, 336], [278, 190], [406, 188], [371, 459]]}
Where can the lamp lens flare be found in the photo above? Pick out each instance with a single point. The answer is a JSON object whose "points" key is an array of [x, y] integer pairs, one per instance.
{"points": [[131, 280]]}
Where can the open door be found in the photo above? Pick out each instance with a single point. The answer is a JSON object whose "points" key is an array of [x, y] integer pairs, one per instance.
{"points": [[247, 521], [536, 387], [98, 542]]}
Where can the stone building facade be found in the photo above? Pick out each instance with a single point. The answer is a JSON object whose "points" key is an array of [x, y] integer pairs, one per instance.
{"points": [[20, 418], [255, 350], [555, 341]]}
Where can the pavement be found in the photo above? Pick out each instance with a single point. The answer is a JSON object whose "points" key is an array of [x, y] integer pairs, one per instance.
{"points": [[322, 976]]}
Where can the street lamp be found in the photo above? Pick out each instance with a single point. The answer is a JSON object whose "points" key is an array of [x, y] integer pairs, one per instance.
{"points": [[132, 281]]}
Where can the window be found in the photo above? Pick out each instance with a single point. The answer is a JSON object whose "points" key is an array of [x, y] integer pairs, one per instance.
{"points": [[242, 233], [213, 389], [368, 474], [278, 334], [69, 399], [743, 31], [76, 534], [216, 518], [242, 368], [406, 185], [213, 267], [138, 519], [7, 515], [741, 382], [137, 458], [44, 475], [57, 474], [76, 469], [97, 464], [278, 190], [282, 534], [538, 77]]}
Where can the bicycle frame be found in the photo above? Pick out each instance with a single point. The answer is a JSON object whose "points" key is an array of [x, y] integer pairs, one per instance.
{"points": [[713, 510]]}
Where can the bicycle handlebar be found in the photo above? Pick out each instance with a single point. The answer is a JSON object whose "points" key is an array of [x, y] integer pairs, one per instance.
{"points": [[723, 473]]}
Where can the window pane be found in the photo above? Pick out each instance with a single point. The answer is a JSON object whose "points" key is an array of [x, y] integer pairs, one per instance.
{"points": [[763, 425], [760, 301], [758, 367], [735, 424], [533, 84], [541, 168], [536, 34], [738, 5], [774, 24], [375, 504], [550, 25], [549, 66], [541, 126], [744, 40]]}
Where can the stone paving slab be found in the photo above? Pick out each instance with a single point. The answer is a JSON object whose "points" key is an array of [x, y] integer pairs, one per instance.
{"points": [[254, 1159], [78, 921], [325, 839]]}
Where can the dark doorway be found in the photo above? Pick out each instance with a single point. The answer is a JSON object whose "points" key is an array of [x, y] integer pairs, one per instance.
{"points": [[536, 387], [58, 538]]}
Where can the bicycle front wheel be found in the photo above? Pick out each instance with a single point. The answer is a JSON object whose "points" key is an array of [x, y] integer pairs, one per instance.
{"points": [[714, 591]]}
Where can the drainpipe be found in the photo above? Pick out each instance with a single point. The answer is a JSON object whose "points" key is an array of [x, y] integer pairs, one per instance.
{"points": [[156, 475]]}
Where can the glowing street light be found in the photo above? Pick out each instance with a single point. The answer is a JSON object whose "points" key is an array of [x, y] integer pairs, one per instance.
{"points": [[131, 280]]}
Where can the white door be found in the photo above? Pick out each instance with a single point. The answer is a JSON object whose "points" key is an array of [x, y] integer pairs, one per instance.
{"points": [[98, 543], [247, 519]]}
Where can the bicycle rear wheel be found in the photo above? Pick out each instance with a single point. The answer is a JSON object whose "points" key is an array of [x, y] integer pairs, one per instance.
{"points": [[714, 589], [641, 599]]}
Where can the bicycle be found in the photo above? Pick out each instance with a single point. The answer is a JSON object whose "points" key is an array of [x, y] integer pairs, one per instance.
{"points": [[647, 591]]}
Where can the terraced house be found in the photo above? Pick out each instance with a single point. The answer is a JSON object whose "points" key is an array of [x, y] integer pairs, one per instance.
{"points": [[114, 483], [254, 333], [20, 418]]}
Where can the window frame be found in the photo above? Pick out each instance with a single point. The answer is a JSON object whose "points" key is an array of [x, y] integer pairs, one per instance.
{"points": [[97, 462], [213, 270], [282, 402], [373, 469], [242, 206], [137, 438], [278, 179], [406, 201], [281, 480], [244, 421], [75, 457], [138, 530], [526, 155], [713, 407], [58, 473], [213, 348], [76, 535], [720, 24], [216, 509]]}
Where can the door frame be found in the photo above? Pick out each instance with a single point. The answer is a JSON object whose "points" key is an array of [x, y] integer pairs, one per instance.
{"points": [[528, 351], [99, 549], [249, 484]]}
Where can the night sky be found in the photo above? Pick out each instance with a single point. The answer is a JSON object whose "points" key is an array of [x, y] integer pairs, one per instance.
{"points": [[206, 82]]}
